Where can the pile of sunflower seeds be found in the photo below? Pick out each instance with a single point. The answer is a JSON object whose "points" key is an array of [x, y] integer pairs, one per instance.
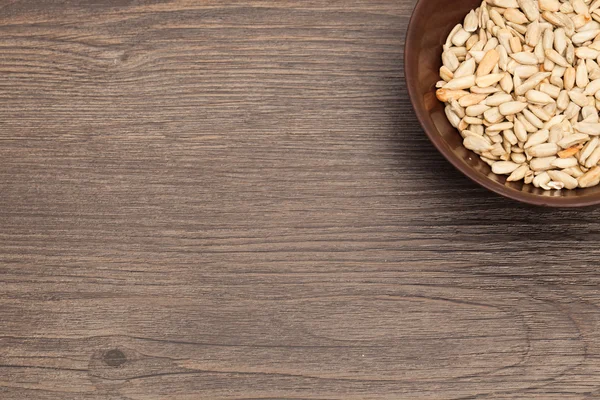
{"points": [[521, 83]]}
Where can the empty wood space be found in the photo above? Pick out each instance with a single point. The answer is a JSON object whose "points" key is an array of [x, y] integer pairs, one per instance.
{"points": [[215, 199]]}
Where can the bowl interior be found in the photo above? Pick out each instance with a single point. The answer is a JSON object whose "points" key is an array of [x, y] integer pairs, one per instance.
{"points": [[430, 25]]}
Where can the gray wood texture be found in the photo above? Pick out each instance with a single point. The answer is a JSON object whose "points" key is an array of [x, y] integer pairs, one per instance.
{"points": [[233, 200]]}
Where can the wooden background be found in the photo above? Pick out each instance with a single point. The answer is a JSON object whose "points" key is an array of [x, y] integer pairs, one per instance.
{"points": [[215, 199]]}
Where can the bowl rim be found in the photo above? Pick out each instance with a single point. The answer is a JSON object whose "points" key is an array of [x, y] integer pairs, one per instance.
{"points": [[442, 147]]}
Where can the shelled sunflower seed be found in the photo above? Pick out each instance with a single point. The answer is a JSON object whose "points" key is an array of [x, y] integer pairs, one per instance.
{"points": [[521, 83]]}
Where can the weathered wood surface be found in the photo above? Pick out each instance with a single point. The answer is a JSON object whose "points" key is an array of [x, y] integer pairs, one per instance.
{"points": [[233, 200]]}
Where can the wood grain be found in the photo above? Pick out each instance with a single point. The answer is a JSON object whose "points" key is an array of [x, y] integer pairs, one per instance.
{"points": [[233, 200]]}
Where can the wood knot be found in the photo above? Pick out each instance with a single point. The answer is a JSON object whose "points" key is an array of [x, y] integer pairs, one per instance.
{"points": [[114, 358]]}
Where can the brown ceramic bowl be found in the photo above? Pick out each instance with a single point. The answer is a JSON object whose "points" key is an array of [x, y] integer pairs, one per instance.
{"points": [[431, 22]]}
